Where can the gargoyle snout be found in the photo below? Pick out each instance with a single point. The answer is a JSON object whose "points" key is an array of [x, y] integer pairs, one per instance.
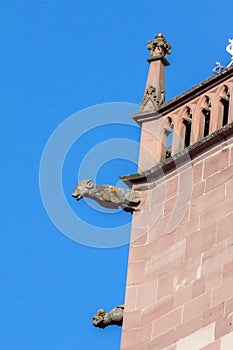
{"points": [[76, 194]]}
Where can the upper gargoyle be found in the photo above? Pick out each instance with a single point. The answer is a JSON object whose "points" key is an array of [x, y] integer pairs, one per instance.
{"points": [[107, 195]]}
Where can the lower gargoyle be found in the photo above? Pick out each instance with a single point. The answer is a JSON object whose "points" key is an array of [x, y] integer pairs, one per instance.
{"points": [[107, 195], [103, 318]]}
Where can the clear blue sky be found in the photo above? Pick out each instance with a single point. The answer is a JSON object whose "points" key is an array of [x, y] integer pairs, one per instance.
{"points": [[58, 57]]}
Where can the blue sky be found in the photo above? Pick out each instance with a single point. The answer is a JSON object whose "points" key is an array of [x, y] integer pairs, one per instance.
{"points": [[57, 58]]}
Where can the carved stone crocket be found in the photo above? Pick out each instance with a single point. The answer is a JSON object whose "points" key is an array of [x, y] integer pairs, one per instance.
{"points": [[108, 196]]}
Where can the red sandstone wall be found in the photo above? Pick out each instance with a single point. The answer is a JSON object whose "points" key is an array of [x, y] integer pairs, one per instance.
{"points": [[180, 285]]}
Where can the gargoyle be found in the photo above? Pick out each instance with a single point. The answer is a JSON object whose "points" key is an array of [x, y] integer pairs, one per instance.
{"points": [[108, 196], [103, 319]]}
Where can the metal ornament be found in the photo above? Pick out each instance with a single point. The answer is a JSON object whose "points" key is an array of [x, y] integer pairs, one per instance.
{"points": [[229, 49], [218, 68]]}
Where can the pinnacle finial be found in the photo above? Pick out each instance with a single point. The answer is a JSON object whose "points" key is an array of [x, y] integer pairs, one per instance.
{"points": [[159, 46]]}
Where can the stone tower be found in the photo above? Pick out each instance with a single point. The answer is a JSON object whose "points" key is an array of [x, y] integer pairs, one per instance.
{"points": [[179, 293]]}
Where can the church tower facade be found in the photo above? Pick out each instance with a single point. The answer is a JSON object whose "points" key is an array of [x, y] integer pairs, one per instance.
{"points": [[179, 293]]}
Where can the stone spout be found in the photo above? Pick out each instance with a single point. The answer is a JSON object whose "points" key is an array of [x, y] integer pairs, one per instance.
{"points": [[108, 196], [103, 318]]}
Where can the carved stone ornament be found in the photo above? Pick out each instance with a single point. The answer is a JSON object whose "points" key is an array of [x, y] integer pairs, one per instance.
{"points": [[108, 196], [152, 99], [103, 318], [159, 46]]}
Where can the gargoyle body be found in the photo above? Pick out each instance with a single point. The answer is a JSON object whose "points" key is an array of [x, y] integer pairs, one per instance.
{"points": [[103, 319], [107, 195]]}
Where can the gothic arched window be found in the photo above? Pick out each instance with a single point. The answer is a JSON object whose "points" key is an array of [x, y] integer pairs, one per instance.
{"points": [[187, 121], [169, 136], [206, 114], [224, 106]]}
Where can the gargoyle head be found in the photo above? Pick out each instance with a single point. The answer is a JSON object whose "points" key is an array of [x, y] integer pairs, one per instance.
{"points": [[82, 188], [168, 125], [98, 319]]}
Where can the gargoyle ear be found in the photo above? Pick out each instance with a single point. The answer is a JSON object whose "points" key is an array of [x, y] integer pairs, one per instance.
{"points": [[101, 312], [89, 183]]}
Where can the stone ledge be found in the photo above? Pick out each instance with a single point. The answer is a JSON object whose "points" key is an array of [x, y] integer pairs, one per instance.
{"points": [[159, 57]]}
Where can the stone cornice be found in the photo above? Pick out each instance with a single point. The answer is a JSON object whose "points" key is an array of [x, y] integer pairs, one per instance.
{"points": [[161, 58]]}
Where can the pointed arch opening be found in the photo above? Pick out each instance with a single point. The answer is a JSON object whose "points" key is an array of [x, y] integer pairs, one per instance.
{"points": [[206, 111], [224, 106], [187, 121], [225, 111], [169, 137]]}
